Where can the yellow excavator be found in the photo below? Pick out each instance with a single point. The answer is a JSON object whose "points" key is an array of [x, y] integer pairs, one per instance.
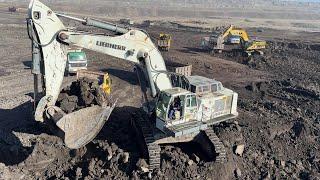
{"points": [[235, 39]]}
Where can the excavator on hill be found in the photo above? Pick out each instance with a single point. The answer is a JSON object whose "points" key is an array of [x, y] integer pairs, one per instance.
{"points": [[172, 114], [234, 39]]}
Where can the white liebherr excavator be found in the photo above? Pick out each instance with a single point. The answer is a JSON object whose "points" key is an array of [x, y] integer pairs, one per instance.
{"points": [[182, 114]]}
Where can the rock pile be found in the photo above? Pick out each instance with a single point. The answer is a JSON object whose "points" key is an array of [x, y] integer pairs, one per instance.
{"points": [[81, 94]]}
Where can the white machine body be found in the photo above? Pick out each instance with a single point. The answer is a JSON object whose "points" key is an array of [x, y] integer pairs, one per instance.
{"points": [[207, 103]]}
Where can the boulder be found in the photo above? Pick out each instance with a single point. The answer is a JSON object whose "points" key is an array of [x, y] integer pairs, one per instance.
{"points": [[239, 149]]}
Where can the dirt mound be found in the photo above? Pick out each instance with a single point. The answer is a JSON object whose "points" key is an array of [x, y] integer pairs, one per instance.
{"points": [[98, 160], [46, 155], [113, 154], [290, 125]]}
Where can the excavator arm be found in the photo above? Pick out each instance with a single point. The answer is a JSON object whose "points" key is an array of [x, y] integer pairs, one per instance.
{"points": [[236, 32], [50, 39], [227, 31]]}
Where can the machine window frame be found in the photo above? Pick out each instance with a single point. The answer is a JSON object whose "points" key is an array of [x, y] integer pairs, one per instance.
{"points": [[164, 109], [191, 101], [206, 88], [77, 56], [214, 87]]}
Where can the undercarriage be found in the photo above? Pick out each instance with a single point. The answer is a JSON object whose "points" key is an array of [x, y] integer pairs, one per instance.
{"points": [[150, 140]]}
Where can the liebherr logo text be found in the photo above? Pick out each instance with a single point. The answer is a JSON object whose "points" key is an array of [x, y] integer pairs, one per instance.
{"points": [[108, 45]]}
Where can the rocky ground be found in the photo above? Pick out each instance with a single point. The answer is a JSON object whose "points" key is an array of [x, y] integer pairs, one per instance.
{"points": [[278, 127]]}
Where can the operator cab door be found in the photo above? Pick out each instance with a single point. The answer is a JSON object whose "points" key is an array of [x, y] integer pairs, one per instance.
{"points": [[191, 106], [162, 108], [176, 109]]}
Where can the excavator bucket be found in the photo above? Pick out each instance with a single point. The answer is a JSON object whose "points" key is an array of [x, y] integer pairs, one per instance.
{"points": [[82, 126]]}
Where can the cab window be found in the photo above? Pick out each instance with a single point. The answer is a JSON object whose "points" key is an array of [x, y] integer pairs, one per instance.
{"points": [[220, 87], [176, 108], [214, 87], [191, 101], [76, 56], [193, 89], [205, 88], [162, 105]]}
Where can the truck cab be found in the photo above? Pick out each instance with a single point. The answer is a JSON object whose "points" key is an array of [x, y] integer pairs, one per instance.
{"points": [[76, 61]]}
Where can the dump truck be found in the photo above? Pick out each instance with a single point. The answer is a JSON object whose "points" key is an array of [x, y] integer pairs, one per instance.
{"points": [[127, 21], [76, 60], [164, 42]]}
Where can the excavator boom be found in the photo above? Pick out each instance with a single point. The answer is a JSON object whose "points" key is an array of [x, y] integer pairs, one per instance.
{"points": [[50, 40], [233, 31], [134, 46]]}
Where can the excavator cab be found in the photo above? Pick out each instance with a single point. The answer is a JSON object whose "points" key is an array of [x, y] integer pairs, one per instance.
{"points": [[175, 107], [234, 39]]}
